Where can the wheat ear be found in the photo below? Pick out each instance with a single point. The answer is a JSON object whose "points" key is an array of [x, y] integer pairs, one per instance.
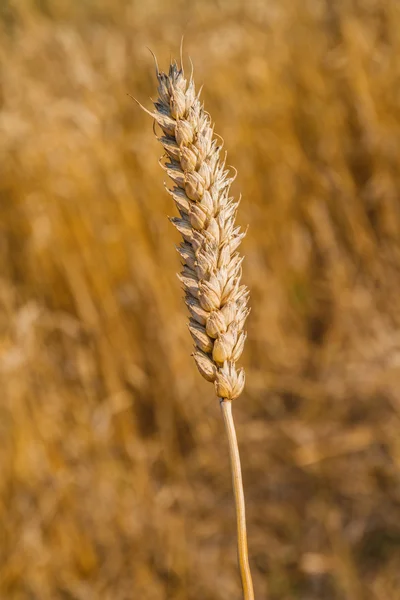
{"points": [[211, 273]]}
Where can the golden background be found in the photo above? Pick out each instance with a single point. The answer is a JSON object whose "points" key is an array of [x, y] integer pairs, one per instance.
{"points": [[114, 478]]}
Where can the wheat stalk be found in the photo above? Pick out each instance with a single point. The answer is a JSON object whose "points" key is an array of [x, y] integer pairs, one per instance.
{"points": [[211, 273]]}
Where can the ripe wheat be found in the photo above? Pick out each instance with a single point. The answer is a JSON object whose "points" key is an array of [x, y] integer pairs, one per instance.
{"points": [[211, 273], [212, 266]]}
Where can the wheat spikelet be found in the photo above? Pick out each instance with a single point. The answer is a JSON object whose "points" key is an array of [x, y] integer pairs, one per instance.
{"points": [[211, 274]]}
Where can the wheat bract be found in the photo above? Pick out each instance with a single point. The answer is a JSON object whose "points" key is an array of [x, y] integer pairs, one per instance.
{"points": [[211, 274]]}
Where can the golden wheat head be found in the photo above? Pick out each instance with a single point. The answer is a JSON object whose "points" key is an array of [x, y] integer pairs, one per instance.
{"points": [[211, 273]]}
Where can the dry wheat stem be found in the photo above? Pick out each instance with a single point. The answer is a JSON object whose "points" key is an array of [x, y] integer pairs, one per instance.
{"points": [[237, 482], [211, 274]]}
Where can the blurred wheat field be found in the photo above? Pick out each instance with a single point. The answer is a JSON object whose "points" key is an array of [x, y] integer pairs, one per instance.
{"points": [[114, 468]]}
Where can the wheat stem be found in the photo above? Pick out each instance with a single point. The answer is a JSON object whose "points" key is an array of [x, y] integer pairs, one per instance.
{"points": [[237, 482]]}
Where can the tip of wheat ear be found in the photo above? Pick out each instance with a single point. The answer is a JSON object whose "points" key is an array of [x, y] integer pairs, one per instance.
{"points": [[211, 274]]}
